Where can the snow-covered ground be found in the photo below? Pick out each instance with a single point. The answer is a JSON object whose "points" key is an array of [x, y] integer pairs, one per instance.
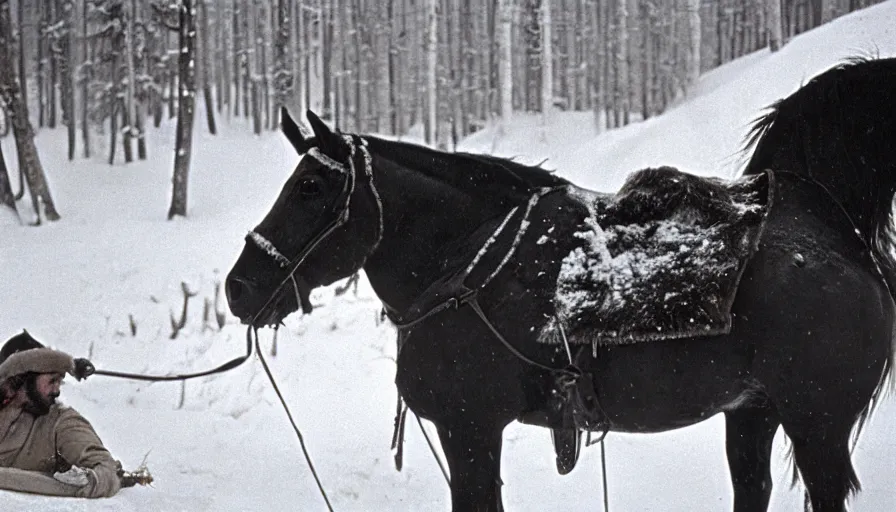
{"points": [[228, 445]]}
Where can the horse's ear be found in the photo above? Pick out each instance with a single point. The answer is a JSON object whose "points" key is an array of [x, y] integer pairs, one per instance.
{"points": [[328, 141], [294, 133]]}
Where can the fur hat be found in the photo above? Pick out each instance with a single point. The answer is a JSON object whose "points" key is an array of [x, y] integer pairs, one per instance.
{"points": [[22, 354]]}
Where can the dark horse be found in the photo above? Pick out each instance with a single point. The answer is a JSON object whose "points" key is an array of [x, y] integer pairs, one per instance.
{"points": [[810, 344]]}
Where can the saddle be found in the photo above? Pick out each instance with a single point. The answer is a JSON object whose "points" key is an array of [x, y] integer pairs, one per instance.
{"points": [[660, 259]]}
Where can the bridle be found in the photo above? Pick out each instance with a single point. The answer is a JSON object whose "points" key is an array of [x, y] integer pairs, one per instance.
{"points": [[341, 213]]}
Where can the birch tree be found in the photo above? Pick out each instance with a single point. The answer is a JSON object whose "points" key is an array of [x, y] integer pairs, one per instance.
{"points": [[431, 48], [186, 96], [620, 65], [130, 109], [695, 40], [85, 73], [206, 68], [775, 29], [283, 76], [547, 59], [505, 59]]}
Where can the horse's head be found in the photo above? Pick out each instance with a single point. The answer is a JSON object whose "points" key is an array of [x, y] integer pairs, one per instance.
{"points": [[321, 228]]}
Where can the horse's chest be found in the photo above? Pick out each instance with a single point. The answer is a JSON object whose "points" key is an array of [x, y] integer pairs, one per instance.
{"points": [[452, 370]]}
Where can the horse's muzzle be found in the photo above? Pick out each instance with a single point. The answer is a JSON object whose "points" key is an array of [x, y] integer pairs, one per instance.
{"points": [[253, 306], [240, 292]]}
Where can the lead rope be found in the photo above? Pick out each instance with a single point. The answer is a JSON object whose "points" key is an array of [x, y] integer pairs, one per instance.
{"points": [[298, 432], [432, 448]]}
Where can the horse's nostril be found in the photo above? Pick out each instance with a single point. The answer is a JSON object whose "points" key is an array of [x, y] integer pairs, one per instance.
{"points": [[234, 289]]}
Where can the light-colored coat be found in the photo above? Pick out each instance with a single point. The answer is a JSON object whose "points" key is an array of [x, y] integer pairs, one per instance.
{"points": [[33, 448]]}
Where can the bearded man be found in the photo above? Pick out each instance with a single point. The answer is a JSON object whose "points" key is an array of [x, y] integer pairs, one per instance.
{"points": [[46, 447]]}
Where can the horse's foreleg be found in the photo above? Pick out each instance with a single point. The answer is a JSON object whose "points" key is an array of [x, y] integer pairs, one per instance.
{"points": [[748, 441], [474, 459]]}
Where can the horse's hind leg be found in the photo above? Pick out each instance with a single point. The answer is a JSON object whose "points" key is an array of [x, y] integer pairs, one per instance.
{"points": [[749, 434], [824, 464], [474, 459]]}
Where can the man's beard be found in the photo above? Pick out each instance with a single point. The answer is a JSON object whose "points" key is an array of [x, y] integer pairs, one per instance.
{"points": [[37, 405]]}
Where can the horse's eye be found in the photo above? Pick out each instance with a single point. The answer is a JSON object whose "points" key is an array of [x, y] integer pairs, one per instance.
{"points": [[309, 188]]}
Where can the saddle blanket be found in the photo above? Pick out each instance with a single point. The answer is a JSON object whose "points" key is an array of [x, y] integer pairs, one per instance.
{"points": [[660, 259]]}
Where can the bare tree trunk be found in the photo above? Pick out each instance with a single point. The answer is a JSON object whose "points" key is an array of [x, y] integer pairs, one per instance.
{"points": [[283, 76], [646, 58], [223, 57], [113, 115], [215, 56], [11, 96], [253, 70], [261, 42], [775, 35], [337, 61], [382, 86], [141, 135], [40, 67], [206, 69], [396, 79], [505, 58], [238, 57], [137, 122], [456, 91], [127, 136], [51, 63], [85, 80], [173, 87], [431, 49], [128, 113], [271, 112], [302, 56], [327, 51], [695, 40], [547, 59], [67, 71], [620, 65], [598, 64], [359, 42], [7, 198], [23, 54], [186, 100]]}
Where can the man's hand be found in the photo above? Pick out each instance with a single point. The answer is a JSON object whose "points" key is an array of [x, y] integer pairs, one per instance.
{"points": [[83, 369], [79, 477]]}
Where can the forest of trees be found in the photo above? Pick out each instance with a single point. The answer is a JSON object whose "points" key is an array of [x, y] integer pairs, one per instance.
{"points": [[113, 69]]}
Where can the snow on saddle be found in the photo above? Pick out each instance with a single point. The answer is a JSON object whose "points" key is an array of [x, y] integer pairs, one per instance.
{"points": [[660, 259]]}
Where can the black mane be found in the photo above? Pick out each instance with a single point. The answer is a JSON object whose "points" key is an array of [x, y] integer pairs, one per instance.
{"points": [[487, 175]]}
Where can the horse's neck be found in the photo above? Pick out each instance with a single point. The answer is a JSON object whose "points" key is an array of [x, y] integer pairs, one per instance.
{"points": [[422, 222]]}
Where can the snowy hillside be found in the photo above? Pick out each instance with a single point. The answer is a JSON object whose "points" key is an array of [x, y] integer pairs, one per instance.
{"points": [[226, 445]]}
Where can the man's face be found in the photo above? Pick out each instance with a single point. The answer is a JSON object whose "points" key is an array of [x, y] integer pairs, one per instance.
{"points": [[42, 392]]}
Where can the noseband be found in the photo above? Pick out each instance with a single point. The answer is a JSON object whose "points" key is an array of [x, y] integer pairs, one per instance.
{"points": [[341, 211]]}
